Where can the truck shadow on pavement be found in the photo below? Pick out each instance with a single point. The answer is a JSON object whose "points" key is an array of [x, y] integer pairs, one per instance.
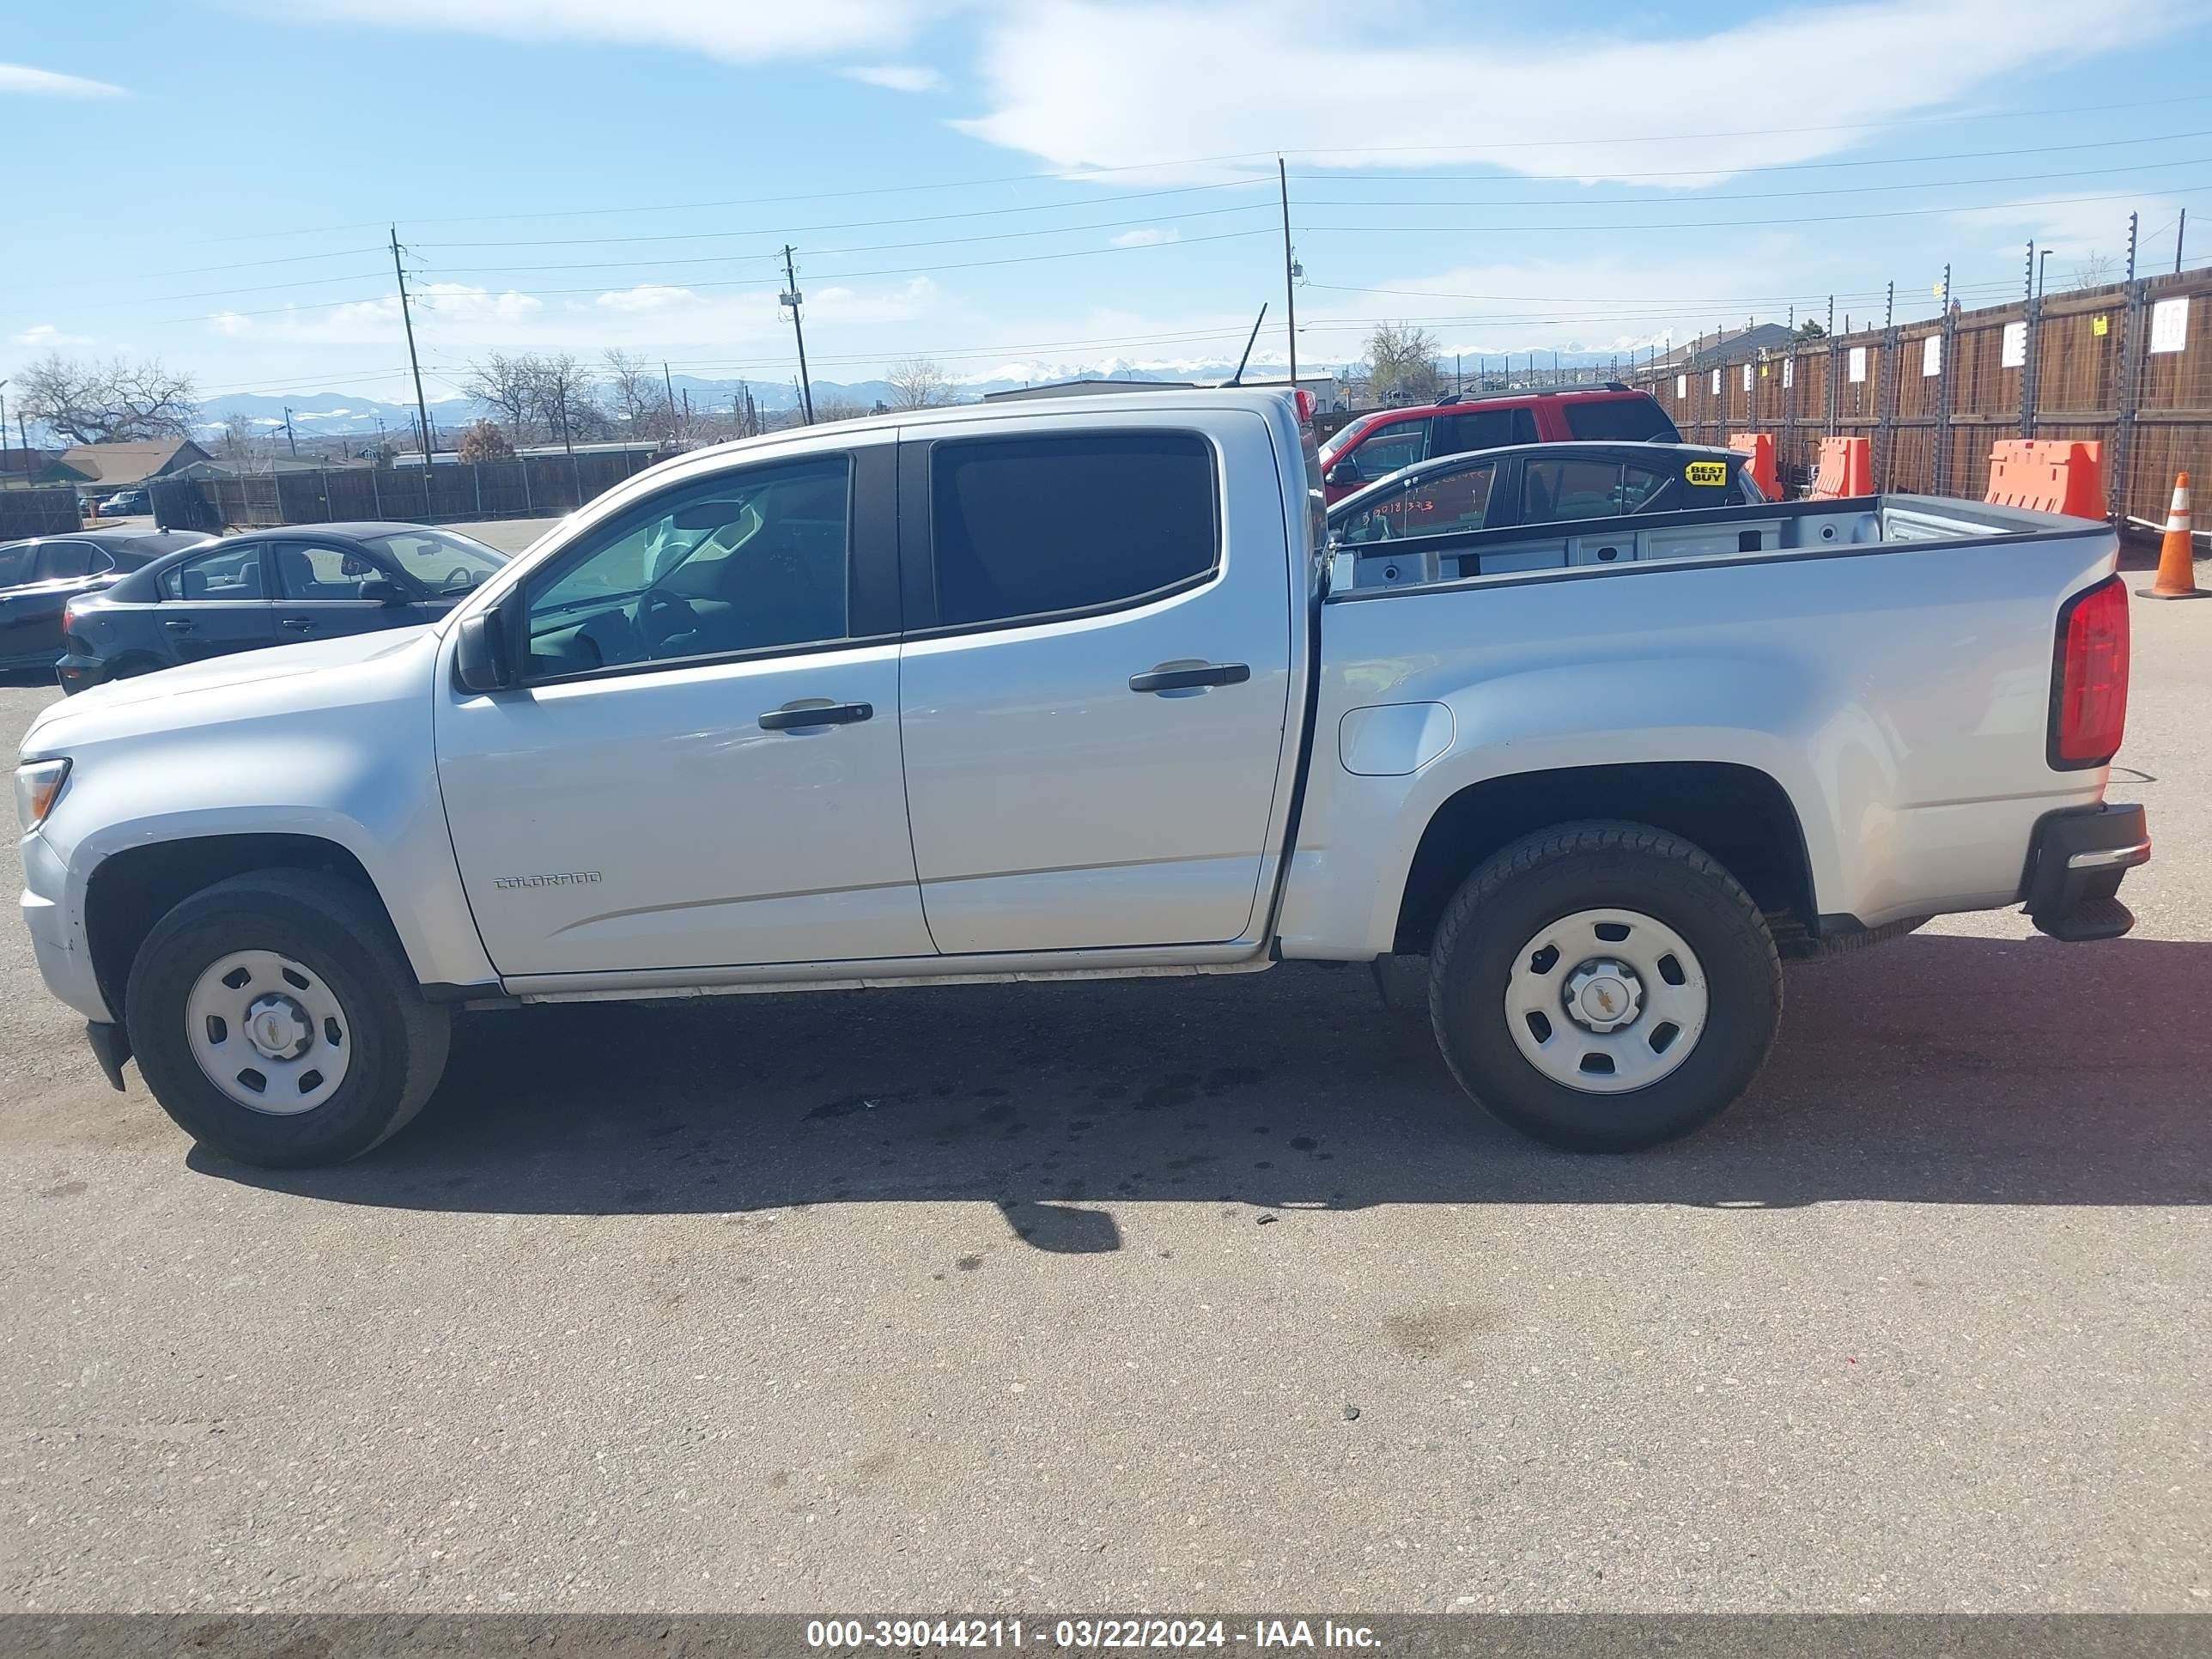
{"points": [[1933, 1070]]}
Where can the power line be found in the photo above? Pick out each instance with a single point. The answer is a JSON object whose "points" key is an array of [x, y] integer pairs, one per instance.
{"points": [[1714, 224]]}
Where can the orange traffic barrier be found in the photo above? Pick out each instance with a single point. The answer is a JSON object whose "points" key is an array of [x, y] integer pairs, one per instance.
{"points": [[1759, 446], [2176, 558], [2048, 475], [1846, 469]]}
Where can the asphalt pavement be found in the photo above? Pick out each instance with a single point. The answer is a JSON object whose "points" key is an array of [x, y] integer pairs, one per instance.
{"points": [[1157, 1295]]}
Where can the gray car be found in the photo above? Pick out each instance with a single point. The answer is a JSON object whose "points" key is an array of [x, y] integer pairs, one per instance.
{"points": [[269, 587]]}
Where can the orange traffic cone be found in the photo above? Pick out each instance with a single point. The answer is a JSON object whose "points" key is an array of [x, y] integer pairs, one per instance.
{"points": [[2176, 560]]}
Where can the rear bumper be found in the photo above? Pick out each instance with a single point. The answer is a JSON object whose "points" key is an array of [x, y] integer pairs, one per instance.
{"points": [[75, 671], [2074, 864]]}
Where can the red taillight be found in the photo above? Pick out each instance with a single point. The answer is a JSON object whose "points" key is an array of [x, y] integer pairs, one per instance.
{"points": [[1305, 402], [2089, 692]]}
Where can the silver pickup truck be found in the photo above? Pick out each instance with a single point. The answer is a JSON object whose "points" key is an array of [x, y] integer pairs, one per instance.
{"points": [[1016, 692]]}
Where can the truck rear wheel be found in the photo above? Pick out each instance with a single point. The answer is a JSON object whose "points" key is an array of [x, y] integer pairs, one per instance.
{"points": [[276, 1019], [1604, 988]]}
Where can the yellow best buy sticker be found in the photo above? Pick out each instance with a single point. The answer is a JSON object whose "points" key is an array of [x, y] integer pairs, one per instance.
{"points": [[1706, 472]]}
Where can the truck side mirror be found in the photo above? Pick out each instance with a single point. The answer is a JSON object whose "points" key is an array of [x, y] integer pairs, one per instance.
{"points": [[480, 654]]}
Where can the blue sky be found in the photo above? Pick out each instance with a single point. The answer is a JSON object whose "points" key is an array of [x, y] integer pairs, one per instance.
{"points": [[1052, 184]]}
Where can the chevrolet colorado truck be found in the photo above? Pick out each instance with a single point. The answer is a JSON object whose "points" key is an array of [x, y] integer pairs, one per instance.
{"points": [[1011, 692]]}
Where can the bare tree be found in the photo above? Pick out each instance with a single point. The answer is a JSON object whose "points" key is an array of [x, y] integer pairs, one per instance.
{"points": [[562, 398], [1401, 358], [2096, 270], [115, 402], [508, 385], [920, 383], [637, 396]]}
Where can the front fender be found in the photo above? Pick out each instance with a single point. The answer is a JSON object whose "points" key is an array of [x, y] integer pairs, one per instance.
{"points": [[344, 759]]}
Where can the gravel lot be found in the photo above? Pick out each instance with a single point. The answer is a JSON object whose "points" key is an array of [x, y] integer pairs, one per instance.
{"points": [[1156, 1295]]}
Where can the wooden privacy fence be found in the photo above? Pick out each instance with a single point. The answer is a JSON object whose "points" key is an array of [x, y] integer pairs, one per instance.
{"points": [[2129, 364], [38, 513], [531, 487]]}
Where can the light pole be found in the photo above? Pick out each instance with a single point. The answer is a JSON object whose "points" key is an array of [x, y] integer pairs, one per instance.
{"points": [[2042, 262], [3, 433]]}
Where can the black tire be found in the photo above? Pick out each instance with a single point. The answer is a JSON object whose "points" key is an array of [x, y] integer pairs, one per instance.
{"points": [[334, 930], [1532, 884]]}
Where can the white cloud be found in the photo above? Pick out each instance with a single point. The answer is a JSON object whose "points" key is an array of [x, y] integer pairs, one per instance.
{"points": [[42, 336], [898, 78], [646, 296], [2072, 226], [1149, 236], [46, 83], [1087, 83], [735, 30]]}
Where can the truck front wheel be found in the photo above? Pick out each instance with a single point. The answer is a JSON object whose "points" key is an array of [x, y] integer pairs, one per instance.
{"points": [[1604, 986], [276, 1019]]}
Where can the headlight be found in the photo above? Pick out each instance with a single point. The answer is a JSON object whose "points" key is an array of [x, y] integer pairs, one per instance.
{"points": [[37, 784]]}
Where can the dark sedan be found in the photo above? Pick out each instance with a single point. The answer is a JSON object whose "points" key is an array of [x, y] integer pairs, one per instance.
{"points": [[1543, 483], [270, 588], [40, 577]]}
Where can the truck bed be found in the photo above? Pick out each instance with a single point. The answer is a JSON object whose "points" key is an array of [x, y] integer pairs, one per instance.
{"points": [[1765, 530]]}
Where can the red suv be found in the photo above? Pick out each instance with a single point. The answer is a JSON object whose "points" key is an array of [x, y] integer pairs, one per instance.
{"points": [[1376, 445]]}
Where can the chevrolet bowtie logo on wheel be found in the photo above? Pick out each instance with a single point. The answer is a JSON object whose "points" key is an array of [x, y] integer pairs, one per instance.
{"points": [[559, 878]]}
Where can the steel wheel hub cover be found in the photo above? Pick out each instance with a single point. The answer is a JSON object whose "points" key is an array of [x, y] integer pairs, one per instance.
{"points": [[1606, 1000], [268, 1032]]}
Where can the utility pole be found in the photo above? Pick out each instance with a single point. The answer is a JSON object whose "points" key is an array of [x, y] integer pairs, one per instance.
{"points": [[1290, 271], [2180, 235], [4, 438], [407, 318], [288, 437], [670, 384], [791, 296]]}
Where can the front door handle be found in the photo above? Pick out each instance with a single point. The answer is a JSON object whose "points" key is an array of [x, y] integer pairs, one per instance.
{"points": [[297, 624], [797, 716], [178, 626], [1176, 678]]}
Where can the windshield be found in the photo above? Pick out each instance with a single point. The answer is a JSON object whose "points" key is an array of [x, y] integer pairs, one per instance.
{"points": [[439, 560]]}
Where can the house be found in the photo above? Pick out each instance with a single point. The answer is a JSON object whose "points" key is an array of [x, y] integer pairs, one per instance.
{"points": [[1727, 345], [101, 470]]}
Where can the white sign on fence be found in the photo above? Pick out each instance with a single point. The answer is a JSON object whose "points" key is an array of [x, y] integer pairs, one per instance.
{"points": [[1746, 377], [2013, 352], [1931, 357], [2169, 325], [1788, 373], [1682, 385], [1716, 383], [1858, 365]]}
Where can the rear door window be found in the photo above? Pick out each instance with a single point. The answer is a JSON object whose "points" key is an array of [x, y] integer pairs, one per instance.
{"points": [[1482, 429], [59, 560], [1026, 527], [1553, 490], [228, 573], [15, 564], [1618, 420]]}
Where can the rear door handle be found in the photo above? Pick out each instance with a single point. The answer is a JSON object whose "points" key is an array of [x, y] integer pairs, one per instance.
{"points": [[297, 624], [1167, 678], [178, 626], [797, 716]]}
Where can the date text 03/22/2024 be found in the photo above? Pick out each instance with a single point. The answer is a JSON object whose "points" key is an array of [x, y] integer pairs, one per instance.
{"points": [[1085, 1634]]}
